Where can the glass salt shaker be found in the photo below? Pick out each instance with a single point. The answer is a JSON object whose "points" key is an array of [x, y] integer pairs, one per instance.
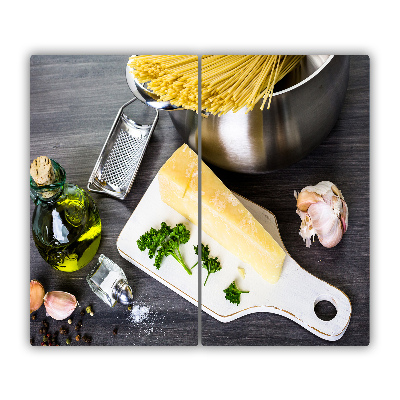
{"points": [[108, 281]]}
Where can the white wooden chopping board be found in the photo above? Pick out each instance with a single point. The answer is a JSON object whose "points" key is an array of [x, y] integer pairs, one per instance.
{"points": [[294, 296]]}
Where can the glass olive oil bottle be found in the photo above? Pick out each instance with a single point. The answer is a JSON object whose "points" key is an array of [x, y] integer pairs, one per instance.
{"points": [[66, 225]]}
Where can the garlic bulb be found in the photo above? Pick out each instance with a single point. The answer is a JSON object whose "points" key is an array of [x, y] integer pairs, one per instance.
{"points": [[323, 212], [36, 295], [59, 305]]}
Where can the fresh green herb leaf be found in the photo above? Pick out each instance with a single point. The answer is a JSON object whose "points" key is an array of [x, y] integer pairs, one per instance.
{"points": [[153, 239], [211, 264], [165, 242], [232, 293]]}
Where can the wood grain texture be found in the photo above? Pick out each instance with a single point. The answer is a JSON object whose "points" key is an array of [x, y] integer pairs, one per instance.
{"points": [[342, 158], [74, 100]]}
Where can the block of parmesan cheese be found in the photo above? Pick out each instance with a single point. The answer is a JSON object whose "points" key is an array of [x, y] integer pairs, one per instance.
{"points": [[224, 217]]}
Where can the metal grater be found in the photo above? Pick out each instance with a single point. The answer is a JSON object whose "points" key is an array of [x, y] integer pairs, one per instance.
{"points": [[120, 158]]}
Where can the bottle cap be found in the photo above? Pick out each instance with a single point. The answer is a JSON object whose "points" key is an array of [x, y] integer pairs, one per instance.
{"points": [[42, 171]]}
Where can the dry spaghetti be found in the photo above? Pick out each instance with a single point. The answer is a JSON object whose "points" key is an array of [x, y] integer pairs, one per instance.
{"points": [[228, 82], [172, 78]]}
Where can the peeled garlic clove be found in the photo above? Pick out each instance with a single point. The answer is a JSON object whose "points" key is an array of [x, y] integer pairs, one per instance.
{"points": [[36, 295], [59, 305]]}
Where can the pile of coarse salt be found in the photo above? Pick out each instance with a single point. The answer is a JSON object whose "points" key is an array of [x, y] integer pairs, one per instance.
{"points": [[145, 320], [138, 313]]}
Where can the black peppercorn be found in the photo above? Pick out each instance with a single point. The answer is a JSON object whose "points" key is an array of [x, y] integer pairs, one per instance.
{"points": [[78, 326], [86, 338], [43, 331], [115, 331]]}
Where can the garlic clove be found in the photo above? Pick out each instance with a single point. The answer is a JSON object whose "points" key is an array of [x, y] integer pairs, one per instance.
{"points": [[326, 224], [306, 198], [59, 305], [333, 237], [336, 191], [36, 295]]}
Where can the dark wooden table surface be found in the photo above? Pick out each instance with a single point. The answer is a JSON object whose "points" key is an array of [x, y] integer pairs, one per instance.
{"points": [[74, 100]]}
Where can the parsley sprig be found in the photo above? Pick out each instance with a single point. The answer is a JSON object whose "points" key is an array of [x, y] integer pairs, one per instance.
{"points": [[211, 264], [165, 242], [232, 293]]}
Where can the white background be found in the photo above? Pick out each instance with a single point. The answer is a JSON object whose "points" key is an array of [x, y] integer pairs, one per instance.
{"points": [[160, 27]]}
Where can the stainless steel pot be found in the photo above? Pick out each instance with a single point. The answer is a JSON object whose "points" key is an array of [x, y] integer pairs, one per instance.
{"points": [[304, 108]]}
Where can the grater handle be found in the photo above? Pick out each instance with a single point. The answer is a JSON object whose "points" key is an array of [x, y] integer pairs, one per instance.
{"points": [[92, 186]]}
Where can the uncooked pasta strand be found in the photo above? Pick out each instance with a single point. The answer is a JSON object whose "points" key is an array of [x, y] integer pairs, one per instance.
{"points": [[229, 82]]}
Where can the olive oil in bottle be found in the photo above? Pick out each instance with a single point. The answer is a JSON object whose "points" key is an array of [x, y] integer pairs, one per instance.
{"points": [[66, 225]]}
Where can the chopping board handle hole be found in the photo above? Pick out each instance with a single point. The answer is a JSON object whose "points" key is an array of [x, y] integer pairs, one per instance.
{"points": [[324, 308]]}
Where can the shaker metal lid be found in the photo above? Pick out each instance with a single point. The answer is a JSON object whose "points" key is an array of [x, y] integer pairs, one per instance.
{"points": [[122, 292]]}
